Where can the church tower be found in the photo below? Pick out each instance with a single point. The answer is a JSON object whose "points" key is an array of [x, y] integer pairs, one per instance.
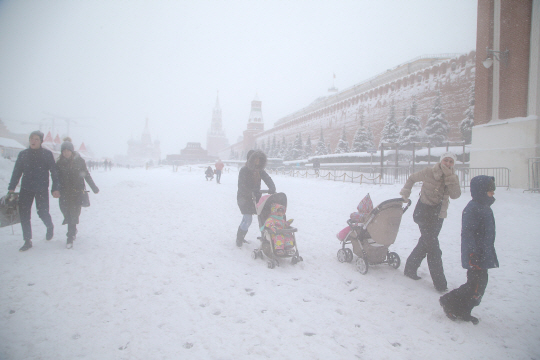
{"points": [[255, 124], [215, 138]]}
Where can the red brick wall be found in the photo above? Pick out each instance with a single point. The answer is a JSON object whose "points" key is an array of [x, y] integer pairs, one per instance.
{"points": [[514, 77], [453, 78]]}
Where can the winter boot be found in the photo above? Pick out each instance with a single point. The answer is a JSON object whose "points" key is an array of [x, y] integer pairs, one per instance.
{"points": [[411, 275], [27, 245], [449, 314], [72, 231], [240, 237], [50, 232], [69, 243]]}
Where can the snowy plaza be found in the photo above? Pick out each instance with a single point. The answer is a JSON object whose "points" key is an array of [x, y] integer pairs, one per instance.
{"points": [[155, 274]]}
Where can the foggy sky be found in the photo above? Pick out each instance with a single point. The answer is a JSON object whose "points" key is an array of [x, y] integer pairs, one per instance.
{"points": [[110, 64]]}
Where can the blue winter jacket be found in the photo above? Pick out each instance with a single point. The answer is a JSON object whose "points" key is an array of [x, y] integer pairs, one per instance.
{"points": [[478, 227], [34, 165]]}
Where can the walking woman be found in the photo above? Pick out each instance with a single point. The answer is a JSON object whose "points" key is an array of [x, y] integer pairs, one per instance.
{"points": [[439, 183], [249, 183], [72, 173]]}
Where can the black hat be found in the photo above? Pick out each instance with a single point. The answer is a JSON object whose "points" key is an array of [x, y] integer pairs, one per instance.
{"points": [[67, 145], [38, 133]]}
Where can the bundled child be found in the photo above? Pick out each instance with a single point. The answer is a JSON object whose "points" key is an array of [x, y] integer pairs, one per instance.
{"points": [[283, 243], [477, 251]]}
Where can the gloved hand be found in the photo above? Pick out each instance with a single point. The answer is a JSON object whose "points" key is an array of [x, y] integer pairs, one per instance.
{"points": [[474, 261], [447, 171], [405, 193]]}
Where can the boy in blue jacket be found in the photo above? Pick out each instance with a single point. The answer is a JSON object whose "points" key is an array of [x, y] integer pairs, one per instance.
{"points": [[477, 251]]}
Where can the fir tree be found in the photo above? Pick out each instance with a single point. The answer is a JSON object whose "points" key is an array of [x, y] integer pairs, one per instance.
{"points": [[308, 148], [298, 148], [321, 148], [411, 130], [466, 124], [289, 152], [342, 146], [437, 127], [390, 132], [273, 147], [363, 138]]}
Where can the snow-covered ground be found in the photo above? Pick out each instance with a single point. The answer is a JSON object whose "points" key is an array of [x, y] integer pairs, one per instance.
{"points": [[155, 274]]}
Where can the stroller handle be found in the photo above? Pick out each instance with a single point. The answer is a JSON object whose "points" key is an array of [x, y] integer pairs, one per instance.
{"points": [[409, 202]]}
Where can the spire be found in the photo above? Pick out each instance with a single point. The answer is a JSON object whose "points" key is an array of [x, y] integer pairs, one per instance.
{"points": [[217, 100], [255, 116]]}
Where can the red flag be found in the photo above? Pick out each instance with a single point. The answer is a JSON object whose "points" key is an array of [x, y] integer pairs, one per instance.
{"points": [[48, 138]]}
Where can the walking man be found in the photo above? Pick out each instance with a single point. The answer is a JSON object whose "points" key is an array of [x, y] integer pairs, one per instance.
{"points": [[34, 165]]}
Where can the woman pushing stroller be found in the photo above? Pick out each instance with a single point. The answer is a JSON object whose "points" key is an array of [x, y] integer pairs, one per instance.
{"points": [[439, 184], [249, 185]]}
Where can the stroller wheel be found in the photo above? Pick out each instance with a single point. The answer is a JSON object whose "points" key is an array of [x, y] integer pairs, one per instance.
{"points": [[271, 264], [342, 255], [294, 260], [361, 265], [394, 260], [255, 254], [350, 255]]}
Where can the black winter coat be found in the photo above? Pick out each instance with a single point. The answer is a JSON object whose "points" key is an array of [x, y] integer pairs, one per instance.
{"points": [[478, 227], [72, 173], [249, 181], [34, 166]]}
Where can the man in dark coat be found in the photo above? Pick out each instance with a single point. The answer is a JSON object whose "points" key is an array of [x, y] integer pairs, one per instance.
{"points": [[477, 251], [249, 184], [72, 172], [34, 165]]}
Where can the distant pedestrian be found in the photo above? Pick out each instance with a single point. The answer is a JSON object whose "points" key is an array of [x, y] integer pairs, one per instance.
{"points": [[34, 165], [209, 173], [439, 183], [72, 173], [477, 251], [219, 168], [249, 186]]}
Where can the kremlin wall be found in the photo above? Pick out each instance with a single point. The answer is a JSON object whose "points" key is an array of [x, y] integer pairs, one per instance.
{"points": [[421, 79]]}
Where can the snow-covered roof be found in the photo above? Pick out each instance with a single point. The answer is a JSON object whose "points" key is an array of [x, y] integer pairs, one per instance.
{"points": [[10, 143]]}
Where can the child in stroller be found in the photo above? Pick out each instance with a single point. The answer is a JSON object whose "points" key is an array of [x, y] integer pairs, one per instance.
{"points": [[371, 232], [283, 242], [277, 236]]}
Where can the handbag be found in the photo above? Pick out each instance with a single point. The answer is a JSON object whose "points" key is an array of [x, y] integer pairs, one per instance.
{"points": [[85, 199]]}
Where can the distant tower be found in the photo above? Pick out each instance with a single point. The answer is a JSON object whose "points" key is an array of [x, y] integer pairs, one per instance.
{"points": [[146, 139], [215, 138], [255, 124]]}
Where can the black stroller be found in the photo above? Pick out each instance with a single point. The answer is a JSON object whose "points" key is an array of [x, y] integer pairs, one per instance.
{"points": [[371, 239], [267, 246]]}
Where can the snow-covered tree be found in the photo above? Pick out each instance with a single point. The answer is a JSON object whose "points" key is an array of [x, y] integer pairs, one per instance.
{"points": [[298, 148], [411, 130], [342, 146], [390, 132], [363, 138], [321, 148], [308, 150], [289, 152], [273, 147], [437, 127], [466, 124]]}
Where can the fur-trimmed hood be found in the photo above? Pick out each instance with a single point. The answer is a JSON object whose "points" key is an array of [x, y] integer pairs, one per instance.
{"points": [[252, 161]]}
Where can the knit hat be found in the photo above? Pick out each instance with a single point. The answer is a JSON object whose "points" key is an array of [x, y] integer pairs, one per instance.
{"points": [[38, 133], [449, 155], [67, 145]]}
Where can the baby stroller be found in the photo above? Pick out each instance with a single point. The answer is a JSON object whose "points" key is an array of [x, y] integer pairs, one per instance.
{"points": [[371, 238], [267, 246]]}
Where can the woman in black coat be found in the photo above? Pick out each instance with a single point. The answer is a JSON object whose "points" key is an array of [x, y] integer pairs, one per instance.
{"points": [[249, 183], [72, 173]]}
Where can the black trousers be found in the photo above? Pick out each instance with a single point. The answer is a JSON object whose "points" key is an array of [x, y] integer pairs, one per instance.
{"points": [[462, 300], [218, 175], [26, 199], [428, 245]]}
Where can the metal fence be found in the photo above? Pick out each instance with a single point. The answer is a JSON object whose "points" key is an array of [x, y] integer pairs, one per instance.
{"points": [[389, 175], [534, 175], [501, 175]]}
